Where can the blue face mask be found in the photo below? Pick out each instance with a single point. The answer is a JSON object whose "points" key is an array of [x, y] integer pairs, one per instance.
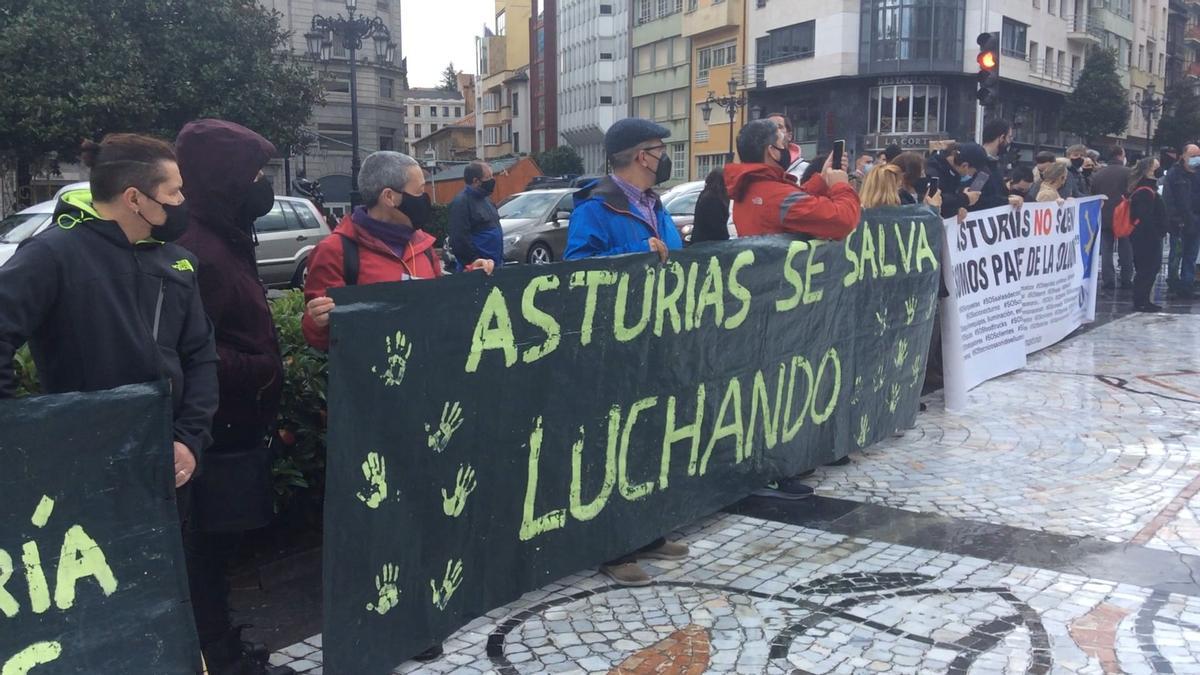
{"points": [[966, 180], [1194, 162]]}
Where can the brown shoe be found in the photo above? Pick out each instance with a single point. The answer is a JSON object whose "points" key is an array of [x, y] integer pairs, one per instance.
{"points": [[627, 574], [670, 550]]}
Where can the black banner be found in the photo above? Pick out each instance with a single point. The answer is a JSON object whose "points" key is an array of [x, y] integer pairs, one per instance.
{"points": [[490, 435], [92, 575]]}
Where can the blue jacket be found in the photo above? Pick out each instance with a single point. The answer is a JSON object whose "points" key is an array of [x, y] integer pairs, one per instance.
{"points": [[603, 223], [474, 228]]}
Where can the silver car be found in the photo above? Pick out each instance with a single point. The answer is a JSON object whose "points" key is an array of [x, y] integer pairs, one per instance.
{"points": [[21, 225], [535, 226]]}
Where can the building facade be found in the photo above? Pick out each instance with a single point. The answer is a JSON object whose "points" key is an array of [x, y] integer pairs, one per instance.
{"points": [[593, 83], [502, 54], [381, 107], [451, 145], [661, 85], [426, 112], [1183, 43], [718, 57], [543, 76], [1147, 67]]}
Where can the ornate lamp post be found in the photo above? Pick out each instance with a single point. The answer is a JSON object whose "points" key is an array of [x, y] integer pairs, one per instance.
{"points": [[1150, 105], [730, 103], [351, 30]]}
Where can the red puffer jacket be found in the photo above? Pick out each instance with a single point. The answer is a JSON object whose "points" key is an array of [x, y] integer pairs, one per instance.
{"points": [[376, 264], [767, 201]]}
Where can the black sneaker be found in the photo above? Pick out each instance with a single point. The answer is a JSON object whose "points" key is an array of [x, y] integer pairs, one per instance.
{"points": [[790, 489]]}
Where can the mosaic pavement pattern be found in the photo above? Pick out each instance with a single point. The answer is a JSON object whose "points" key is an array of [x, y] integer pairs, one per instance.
{"points": [[1099, 437]]}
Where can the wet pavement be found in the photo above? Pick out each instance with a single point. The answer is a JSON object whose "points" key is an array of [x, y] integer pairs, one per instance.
{"points": [[1052, 527]]}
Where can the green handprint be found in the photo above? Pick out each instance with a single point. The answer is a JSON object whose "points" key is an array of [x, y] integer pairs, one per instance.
{"points": [[901, 351], [881, 318], [910, 310], [450, 583], [894, 398], [375, 471], [917, 370], [857, 389], [451, 420], [389, 593], [453, 504], [398, 351], [864, 430], [929, 310], [879, 381]]}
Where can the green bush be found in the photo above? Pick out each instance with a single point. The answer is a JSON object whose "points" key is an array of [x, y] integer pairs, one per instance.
{"points": [[440, 225], [300, 464]]}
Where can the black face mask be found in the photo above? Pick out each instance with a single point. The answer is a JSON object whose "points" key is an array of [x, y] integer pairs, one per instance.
{"points": [[785, 157], [663, 173], [418, 209], [1077, 163], [259, 200], [174, 226], [1087, 172], [488, 186]]}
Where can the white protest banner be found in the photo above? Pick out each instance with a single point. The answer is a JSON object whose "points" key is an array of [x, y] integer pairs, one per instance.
{"points": [[1019, 280]]}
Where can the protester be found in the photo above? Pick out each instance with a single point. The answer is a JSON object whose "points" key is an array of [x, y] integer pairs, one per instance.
{"points": [[768, 201], [221, 164], [765, 201], [997, 136], [619, 214], [1089, 168], [474, 222], [1020, 180], [882, 187], [1042, 160], [798, 164], [1167, 157], [1113, 182], [954, 167], [891, 152], [1054, 177], [1149, 215], [712, 210], [1076, 182], [1181, 193], [862, 167]]}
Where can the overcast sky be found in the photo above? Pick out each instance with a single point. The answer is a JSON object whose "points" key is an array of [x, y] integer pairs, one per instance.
{"points": [[437, 32]]}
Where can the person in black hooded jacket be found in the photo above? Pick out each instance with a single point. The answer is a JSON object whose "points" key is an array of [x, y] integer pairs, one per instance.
{"points": [[221, 163], [1149, 214], [105, 299]]}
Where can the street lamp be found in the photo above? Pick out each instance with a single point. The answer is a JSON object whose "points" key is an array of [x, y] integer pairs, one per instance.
{"points": [[351, 30], [730, 103], [1150, 104]]}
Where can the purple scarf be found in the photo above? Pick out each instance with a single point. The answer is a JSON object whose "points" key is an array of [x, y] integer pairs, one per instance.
{"points": [[394, 236]]}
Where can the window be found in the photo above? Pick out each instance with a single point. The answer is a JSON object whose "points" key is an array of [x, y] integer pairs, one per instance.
{"points": [[433, 128], [337, 83], [907, 109], [516, 142], [644, 10], [417, 131], [788, 43], [606, 100], [276, 220], [491, 136], [416, 111], [1014, 38], [382, 4], [387, 88], [606, 10], [706, 163], [679, 161], [433, 111], [491, 102], [333, 137], [501, 23], [692, 5], [516, 104], [927, 33], [716, 57], [304, 215], [606, 56], [1048, 63], [445, 111], [387, 138], [458, 111]]}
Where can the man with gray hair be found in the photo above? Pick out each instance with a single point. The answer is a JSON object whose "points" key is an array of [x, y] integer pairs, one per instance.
{"points": [[379, 242], [1076, 185]]}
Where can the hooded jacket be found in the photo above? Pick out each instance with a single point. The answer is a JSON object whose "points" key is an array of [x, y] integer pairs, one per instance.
{"points": [[604, 223], [767, 201], [99, 312], [219, 161], [377, 265]]}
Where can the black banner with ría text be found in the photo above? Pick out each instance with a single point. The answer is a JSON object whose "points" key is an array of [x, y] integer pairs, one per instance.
{"points": [[92, 574], [488, 435]]}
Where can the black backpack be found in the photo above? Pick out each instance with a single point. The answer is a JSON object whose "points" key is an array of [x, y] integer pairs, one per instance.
{"points": [[350, 260]]}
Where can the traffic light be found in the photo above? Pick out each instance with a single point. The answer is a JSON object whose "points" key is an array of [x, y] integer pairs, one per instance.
{"points": [[988, 92]]}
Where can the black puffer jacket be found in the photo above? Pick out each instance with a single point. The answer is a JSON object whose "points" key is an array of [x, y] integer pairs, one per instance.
{"points": [[99, 312]]}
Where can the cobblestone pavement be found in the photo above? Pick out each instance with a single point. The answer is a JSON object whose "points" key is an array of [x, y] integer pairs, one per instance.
{"points": [[1095, 443]]}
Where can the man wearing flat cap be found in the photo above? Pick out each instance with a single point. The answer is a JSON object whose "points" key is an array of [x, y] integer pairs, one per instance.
{"points": [[620, 213]]}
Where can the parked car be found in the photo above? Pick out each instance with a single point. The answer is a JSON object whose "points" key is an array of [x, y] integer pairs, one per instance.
{"points": [[535, 225], [286, 235]]}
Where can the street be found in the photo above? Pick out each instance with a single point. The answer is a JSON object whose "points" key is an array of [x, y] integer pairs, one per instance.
{"points": [[1051, 528]]}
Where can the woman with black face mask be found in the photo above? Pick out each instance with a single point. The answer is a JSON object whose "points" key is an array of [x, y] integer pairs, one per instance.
{"points": [[222, 166]]}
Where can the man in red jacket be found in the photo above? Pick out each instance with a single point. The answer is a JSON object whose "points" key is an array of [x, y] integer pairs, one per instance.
{"points": [[766, 200]]}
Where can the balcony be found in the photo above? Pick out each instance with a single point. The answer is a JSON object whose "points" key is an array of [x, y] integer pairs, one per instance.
{"points": [[709, 16], [1193, 71], [1192, 36], [1084, 29], [1052, 73], [750, 76]]}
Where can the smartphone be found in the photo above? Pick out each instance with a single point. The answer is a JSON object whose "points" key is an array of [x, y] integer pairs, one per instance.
{"points": [[981, 179], [922, 186], [934, 186], [839, 149]]}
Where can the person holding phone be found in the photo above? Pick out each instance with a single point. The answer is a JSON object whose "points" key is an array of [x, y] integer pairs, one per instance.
{"points": [[958, 173]]}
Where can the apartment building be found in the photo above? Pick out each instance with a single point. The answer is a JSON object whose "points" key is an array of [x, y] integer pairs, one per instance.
{"points": [[502, 86], [426, 112], [1147, 66], [718, 66], [593, 74], [543, 76], [1183, 43], [661, 85]]}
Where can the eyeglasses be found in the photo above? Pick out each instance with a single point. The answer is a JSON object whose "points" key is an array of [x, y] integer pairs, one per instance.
{"points": [[656, 147]]}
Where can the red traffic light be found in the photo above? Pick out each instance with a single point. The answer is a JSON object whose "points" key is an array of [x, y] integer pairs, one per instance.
{"points": [[987, 60]]}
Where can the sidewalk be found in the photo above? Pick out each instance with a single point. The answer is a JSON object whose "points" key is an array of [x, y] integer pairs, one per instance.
{"points": [[1053, 527]]}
